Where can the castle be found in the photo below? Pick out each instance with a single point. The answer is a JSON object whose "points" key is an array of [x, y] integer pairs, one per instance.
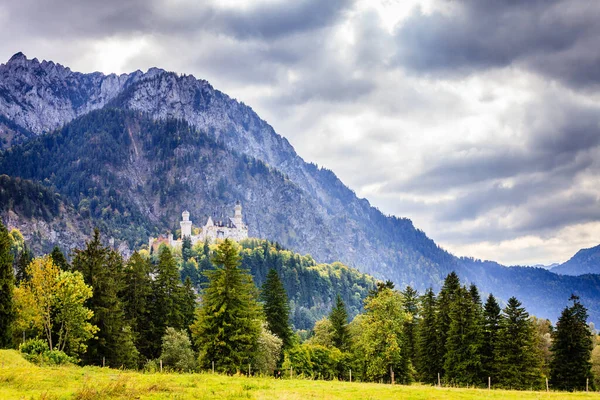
{"points": [[231, 228]]}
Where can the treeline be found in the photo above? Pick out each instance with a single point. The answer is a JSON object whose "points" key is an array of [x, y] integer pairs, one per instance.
{"points": [[311, 287], [102, 310]]}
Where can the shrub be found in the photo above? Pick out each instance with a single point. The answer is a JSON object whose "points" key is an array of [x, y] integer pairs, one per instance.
{"points": [[177, 353], [37, 351]]}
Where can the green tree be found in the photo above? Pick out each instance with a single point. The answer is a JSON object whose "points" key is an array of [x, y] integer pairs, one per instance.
{"points": [[517, 361], [228, 323], [445, 299], [462, 362], [339, 323], [7, 282], [59, 259], [188, 304], [427, 340], [276, 308], [268, 352], [24, 258], [382, 338], [137, 300], [168, 297], [491, 324], [411, 306], [102, 269], [571, 349]]}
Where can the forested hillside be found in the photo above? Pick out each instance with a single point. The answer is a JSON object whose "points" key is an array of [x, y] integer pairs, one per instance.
{"points": [[586, 261]]}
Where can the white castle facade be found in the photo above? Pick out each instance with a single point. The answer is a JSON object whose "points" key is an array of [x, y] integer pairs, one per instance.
{"points": [[230, 228]]}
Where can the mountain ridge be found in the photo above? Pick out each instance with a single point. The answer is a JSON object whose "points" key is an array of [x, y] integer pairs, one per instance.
{"points": [[192, 134]]}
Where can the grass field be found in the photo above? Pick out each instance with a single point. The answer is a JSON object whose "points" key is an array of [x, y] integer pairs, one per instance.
{"points": [[22, 380]]}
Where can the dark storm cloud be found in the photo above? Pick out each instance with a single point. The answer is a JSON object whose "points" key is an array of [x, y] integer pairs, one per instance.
{"points": [[111, 17], [558, 38]]}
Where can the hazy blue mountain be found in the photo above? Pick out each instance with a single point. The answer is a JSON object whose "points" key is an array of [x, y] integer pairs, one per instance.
{"points": [[137, 149], [585, 261]]}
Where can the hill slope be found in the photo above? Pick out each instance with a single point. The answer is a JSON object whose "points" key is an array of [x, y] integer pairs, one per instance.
{"points": [[585, 261]]}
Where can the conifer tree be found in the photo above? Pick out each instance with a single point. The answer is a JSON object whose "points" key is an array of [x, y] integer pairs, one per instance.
{"points": [[167, 303], [59, 259], [571, 349], [339, 323], [462, 361], [444, 303], [186, 248], [7, 281], [102, 269], [427, 340], [491, 324], [517, 361], [276, 308], [188, 304], [228, 324], [411, 306], [137, 298], [22, 262]]}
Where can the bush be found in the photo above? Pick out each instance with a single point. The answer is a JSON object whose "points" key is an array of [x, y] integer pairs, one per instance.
{"points": [[177, 353], [37, 351]]}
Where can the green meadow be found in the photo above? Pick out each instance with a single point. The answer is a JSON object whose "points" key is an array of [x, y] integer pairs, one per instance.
{"points": [[20, 379]]}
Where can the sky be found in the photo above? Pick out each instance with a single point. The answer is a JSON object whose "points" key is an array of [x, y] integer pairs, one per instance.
{"points": [[478, 120]]}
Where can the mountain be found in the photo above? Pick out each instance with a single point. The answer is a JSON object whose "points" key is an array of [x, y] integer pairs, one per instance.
{"points": [[585, 261], [132, 151]]}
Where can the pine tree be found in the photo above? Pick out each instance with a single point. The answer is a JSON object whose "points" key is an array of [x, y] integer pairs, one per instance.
{"points": [[188, 304], [186, 248], [59, 259], [7, 281], [491, 324], [411, 306], [102, 269], [444, 303], [339, 323], [276, 308], [462, 361], [571, 349], [167, 303], [517, 361], [22, 262], [427, 340], [228, 324], [137, 299]]}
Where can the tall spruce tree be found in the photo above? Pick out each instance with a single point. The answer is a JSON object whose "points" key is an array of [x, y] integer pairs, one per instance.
{"points": [[188, 304], [517, 361], [570, 366], [445, 299], [168, 298], [339, 322], [102, 269], [137, 298], [411, 306], [23, 260], [491, 324], [7, 282], [462, 361], [427, 340], [276, 308], [228, 323]]}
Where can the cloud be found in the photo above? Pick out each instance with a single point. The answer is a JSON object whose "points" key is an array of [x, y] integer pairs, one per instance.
{"points": [[555, 38]]}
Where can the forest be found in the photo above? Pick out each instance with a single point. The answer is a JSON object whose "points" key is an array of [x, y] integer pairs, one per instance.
{"points": [[230, 308]]}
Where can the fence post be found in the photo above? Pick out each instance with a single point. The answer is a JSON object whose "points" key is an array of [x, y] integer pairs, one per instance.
{"points": [[160, 365], [439, 381], [587, 382], [489, 382], [392, 375], [248, 370], [213, 367], [547, 385], [103, 360], [350, 375]]}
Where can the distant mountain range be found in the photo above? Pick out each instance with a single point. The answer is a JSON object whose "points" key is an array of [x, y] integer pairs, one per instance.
{"points": [[130, 152]]}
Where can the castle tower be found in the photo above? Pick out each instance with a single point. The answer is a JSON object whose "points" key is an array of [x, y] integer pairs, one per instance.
{"points": [[186, 225], [237, 216]]}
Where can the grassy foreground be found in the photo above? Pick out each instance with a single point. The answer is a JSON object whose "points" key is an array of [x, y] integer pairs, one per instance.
{"points": [[22, 380]]}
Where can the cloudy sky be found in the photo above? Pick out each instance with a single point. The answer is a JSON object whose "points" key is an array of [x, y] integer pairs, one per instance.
{"points": [[479, 120]]}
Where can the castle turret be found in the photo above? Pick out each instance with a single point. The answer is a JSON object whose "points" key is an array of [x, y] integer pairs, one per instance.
{"points": [[186, 225], [237, 216]]}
